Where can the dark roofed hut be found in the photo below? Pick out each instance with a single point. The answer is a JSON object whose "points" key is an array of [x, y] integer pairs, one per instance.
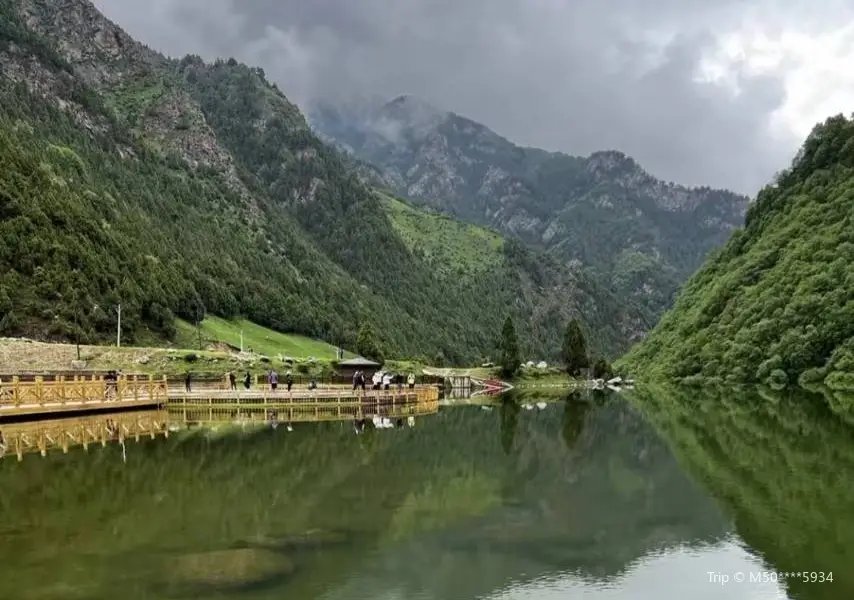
{"points": [[348, 368]]}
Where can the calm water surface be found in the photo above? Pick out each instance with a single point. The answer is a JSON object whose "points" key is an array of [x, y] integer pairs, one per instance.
{"points": [[653, 495]]}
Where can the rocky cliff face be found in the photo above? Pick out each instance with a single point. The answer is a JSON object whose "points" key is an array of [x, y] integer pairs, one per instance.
{"points": [[643, 235], [134, 80]]}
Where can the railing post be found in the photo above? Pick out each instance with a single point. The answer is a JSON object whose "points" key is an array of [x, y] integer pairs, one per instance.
{"points": [[136, 387], [16, 391], [150, 386], [39, 390]]}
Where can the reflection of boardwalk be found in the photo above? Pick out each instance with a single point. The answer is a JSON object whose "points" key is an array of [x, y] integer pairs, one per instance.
{"points": [[17, 439], [41, 436]]}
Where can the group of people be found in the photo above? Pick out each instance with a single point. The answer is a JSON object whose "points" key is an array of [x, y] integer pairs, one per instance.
{"points": [[272, 378], [382, 380]]}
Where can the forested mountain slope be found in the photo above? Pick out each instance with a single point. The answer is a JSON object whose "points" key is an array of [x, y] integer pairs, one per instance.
{"points": [[640, 236], [778, 301], [179, 188]]}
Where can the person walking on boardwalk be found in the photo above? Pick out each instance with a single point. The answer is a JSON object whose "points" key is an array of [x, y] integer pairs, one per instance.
{"points": [[247, 381], [188, 382], [362, 379], [232, 379], [274, 379], [289, 380], [356, 377], [377, 379], [386, 381], [411, 380], [111, 382]]}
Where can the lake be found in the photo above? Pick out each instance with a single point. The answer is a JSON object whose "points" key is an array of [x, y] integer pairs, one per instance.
{"points": [[654, 493]]}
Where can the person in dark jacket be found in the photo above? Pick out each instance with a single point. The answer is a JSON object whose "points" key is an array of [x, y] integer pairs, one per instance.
{"points": [[247, 381]]}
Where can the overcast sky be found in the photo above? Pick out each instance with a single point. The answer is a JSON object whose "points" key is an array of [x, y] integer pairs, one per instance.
{"points": [[701, 92]]}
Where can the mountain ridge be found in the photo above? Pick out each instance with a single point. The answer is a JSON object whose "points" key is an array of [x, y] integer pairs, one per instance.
{"points": [[657, 232]]}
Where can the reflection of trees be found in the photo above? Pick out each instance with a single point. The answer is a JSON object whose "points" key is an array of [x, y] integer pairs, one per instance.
{"points": [[574, 413], [322, 485], [782, 464], [509, 414]]}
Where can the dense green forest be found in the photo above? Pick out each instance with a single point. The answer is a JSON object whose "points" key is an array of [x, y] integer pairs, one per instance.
{"points": [[180, 188], [777, 303]]}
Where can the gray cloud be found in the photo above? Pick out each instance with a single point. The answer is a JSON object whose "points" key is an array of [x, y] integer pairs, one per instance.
{"points": [[576, 76]]}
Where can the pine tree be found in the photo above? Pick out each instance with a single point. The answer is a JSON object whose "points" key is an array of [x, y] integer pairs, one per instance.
{"points": [[367, 344], [509, 349], [574, 352]]}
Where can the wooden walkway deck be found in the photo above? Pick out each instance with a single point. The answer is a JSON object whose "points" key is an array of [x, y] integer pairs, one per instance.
{"points": [[39, 398]]}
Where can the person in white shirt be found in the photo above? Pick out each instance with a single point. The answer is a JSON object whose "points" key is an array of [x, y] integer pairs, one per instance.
{"points": [[386, 381]]}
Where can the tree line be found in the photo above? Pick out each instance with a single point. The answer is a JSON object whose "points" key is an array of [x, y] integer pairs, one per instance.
{"points": [[574, 352]]}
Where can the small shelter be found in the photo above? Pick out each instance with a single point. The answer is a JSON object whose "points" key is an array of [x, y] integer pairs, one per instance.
{"points": [[348, 368]]}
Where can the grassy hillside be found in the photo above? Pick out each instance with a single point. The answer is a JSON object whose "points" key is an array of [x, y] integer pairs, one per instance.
{"points": [[777, 303], [449, 245], [26, 356], [256, 338]]}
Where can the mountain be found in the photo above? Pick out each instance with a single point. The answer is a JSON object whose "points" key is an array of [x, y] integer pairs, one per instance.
{"points": [[181, 188], [777, 302], [641, 237]]}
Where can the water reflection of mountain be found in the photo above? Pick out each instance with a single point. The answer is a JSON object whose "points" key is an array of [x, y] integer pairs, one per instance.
{"points": [[510, 494], [783, 466]]}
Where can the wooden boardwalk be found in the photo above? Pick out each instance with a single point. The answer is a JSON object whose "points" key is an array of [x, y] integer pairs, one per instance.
{"points": [[39, 397], [96, 394]]}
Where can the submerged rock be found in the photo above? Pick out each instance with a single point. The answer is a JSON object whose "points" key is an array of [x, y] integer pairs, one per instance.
{"points": [[229, 567]]}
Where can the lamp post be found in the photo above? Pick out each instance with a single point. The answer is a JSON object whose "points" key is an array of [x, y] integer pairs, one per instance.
{"points": [[199, 325], [77, 323]]}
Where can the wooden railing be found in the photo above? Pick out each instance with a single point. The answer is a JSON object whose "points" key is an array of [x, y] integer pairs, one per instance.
{"points": [[80, 391], [21, 398]]}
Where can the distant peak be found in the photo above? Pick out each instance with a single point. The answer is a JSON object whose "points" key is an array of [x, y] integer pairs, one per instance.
{"points": [[408, 104], [610, 159], [400, 99]]}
